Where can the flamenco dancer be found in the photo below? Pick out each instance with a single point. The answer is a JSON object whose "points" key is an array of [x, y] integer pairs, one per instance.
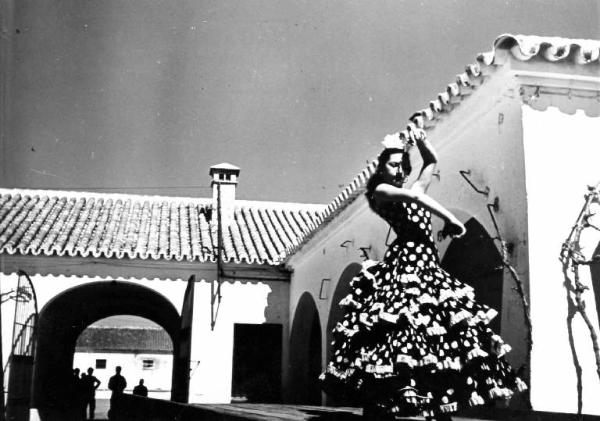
{"points": [[413, 340]]}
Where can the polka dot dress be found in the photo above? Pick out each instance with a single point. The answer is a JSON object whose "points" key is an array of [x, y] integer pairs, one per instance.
{"points": [[413, 340]]}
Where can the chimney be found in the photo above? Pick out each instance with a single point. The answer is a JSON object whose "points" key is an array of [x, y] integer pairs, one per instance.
{"points": [[224, 179]]}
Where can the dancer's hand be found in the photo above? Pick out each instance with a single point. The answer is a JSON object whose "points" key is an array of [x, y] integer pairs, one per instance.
{"points": [[416, 135], [453, 228]]}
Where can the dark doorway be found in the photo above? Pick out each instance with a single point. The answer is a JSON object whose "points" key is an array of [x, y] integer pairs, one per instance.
{"points": [[256, 363], [474, 259], [305, 353], [63, 319]]}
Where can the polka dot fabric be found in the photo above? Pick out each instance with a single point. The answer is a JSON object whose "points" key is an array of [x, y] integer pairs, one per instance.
{"points": [[413, 340]]}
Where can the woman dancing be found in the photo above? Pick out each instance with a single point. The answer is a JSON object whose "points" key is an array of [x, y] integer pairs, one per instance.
{"points": [[413, 339]]}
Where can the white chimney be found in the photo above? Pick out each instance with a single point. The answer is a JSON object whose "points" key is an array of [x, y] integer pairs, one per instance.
{"points": [[224, 182]]}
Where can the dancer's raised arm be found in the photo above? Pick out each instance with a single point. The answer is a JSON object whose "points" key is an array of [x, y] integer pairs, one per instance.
{"points": [[429, 157]]}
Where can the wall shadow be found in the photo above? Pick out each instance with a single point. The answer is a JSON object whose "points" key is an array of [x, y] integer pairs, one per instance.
{"points": [[474, 260], [305, 353]]}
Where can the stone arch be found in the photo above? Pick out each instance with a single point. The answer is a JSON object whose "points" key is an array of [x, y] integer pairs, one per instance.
{"points": [[305, 353], [62, 320], [475, 260]]}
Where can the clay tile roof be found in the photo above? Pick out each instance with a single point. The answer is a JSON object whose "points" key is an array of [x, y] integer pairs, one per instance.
{"points": [[124, 339], [61, 223], [526, 47]]}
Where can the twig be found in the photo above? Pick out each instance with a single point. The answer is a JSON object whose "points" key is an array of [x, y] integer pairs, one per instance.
{"points": [[520, 291], [572, 259]]}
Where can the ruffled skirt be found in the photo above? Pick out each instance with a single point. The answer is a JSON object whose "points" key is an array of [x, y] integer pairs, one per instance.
{"points": [[413, 339]]}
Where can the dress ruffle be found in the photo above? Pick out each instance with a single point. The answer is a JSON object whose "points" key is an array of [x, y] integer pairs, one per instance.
{"points": [[413, 340]]}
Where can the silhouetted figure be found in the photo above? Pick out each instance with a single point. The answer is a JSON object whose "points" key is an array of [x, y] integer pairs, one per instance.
{"points": [[89, 385], [117, 385], [75, 397], [140, 389], [81, 395]]}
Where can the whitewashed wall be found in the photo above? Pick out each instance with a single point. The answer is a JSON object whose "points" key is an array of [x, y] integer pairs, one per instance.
{"points": [[249, 302], [48, 287], [562, 154]]}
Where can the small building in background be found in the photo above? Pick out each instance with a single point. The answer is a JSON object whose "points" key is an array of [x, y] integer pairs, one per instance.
{"points": [[141, 352]]}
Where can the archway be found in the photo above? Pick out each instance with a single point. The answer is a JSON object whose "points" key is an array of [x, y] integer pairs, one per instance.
{"points": [[305, 353], [342, 289], [65, 317], [142, 348], [336, 313], [474, 259]]}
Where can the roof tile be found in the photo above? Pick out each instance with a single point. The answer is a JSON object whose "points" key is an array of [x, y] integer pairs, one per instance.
{"points": [[103, 225], [112, 339]]}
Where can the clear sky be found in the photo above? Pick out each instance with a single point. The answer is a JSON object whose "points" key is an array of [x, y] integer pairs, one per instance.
{"points": [[143, 96]]}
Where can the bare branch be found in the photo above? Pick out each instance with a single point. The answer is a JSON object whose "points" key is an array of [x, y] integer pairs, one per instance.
{"points": [[572, 259]]}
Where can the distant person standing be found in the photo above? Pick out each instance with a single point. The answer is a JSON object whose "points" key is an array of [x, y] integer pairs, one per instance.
{"points": [[117, 385], [140, 389], [90, 383]]}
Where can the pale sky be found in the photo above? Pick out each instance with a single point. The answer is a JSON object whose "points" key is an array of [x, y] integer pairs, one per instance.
{"points": [[143, 96]]}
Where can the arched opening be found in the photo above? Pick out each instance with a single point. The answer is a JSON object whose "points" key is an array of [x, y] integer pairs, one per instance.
{"points": [[142, 348], [342, 289], [336, 313], [305, 353], [65, 317], [474, 259]]}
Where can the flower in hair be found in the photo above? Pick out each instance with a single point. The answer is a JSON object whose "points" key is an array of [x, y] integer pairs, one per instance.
{"points": [[397, 141]]}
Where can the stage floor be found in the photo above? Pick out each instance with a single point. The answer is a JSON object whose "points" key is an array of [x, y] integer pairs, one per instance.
{"points": [[254, 411]]}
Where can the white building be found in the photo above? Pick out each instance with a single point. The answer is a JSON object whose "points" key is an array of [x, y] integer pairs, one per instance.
{"points": [[91, 256], [141, 352], [521, 125]]}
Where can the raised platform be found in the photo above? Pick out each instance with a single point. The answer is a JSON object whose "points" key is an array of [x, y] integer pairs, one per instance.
{"points": [[134, 408], [257, 411], [263, 412]]}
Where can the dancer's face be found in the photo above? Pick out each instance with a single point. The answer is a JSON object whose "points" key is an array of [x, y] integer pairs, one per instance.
{"points": [[393, 173]]}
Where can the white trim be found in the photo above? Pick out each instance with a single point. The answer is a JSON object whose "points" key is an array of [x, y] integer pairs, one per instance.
{"points": [[95, 195], [558, 80]]}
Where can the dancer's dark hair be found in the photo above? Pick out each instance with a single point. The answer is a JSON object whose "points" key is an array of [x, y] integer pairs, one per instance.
{"points": [[377, 177]]}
